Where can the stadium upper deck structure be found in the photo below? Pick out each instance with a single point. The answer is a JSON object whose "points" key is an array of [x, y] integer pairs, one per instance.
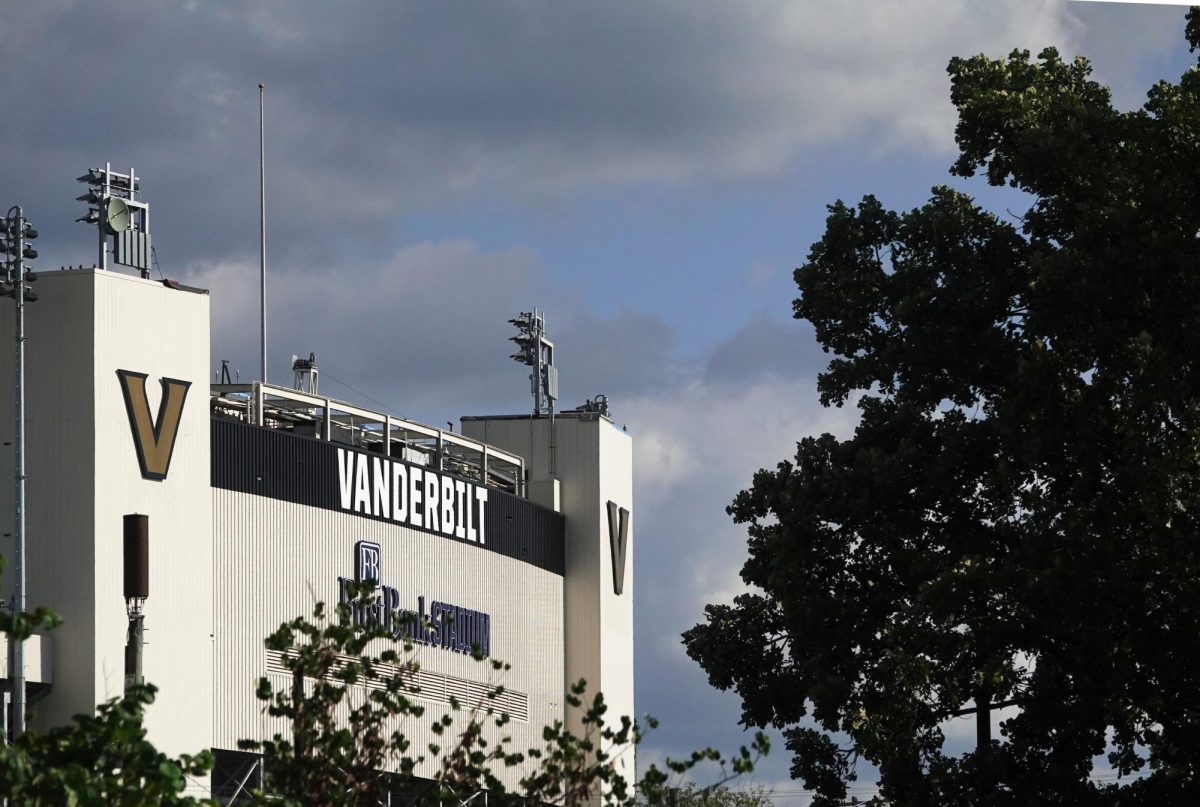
{"points": [[512, 535]]}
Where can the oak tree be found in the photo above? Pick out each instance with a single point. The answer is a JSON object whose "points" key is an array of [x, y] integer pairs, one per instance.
{"points": [[1012, 531]]}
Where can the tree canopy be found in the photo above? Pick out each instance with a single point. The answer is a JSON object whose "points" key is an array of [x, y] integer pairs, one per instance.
{"points": [[1015, 522]]}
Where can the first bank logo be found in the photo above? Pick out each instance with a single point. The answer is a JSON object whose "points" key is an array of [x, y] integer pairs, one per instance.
{"points": [[154, 439], [366, 561]]}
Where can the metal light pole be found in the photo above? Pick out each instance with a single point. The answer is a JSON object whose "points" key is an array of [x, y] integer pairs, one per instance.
{"points": [[17, 231]]}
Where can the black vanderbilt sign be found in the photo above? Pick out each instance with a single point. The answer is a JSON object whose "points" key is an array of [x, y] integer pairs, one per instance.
{"points": [[362, 484]]}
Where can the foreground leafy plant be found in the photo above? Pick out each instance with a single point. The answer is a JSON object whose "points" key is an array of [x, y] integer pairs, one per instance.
{"points": [[100, 759], [352, 696], [353, 693]]}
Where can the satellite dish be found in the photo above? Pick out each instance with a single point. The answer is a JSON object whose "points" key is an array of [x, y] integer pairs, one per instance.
{"points": [[116, 215]]}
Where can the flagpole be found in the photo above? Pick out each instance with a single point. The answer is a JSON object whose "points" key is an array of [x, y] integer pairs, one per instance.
{"points": [[262, 234]]}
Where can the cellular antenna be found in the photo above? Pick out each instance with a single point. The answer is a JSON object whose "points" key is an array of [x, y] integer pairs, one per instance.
{"points": [[537, 353], [114, 207]]}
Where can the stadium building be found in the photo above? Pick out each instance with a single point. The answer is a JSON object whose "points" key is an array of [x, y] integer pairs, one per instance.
{"points": [[513, 534]]}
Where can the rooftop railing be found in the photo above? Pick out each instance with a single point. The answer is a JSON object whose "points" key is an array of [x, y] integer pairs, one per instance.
{"points": [[321, 418]]}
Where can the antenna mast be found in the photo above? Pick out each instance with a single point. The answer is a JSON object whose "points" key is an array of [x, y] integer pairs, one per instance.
{"points": [[117, 212], [537, 352], [262, 234]]}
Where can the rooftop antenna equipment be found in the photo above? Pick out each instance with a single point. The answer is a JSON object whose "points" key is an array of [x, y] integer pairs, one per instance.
{"points": [[537, 352], [114, 208], [304, 373]]}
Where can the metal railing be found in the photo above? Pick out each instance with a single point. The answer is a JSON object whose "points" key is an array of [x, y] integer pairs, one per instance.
{"points": [[336, 421]]}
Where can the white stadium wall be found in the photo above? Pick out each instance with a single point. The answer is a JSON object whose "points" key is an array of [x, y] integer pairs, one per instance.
{"points": [[252, 523], [278, 556], [592, 467], [84, 474]]}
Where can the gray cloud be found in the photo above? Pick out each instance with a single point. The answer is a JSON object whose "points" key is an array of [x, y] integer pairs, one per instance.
{"points": [[764, 347], [418, 332], [427, 329], [1108, 31], [378, 108]]}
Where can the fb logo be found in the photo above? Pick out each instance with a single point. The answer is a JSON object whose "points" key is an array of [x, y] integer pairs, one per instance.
{"points": [[366, 561]]}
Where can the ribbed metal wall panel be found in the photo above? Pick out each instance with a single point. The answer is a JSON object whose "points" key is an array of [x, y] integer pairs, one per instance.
{"points": [[84, 476], [60, 491], [275, 559]]}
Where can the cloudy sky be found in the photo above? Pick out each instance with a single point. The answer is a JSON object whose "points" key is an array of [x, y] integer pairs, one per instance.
{"points": [[648, 173]]}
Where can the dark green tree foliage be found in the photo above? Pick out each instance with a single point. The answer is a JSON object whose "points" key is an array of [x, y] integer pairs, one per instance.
{"points": [[352, 698], [689, 794], [100, 759], [1016, 519], [354, 695]]}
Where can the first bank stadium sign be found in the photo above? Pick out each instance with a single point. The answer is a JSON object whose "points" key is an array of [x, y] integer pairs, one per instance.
{"points": [[412, 495], [444, 625]]}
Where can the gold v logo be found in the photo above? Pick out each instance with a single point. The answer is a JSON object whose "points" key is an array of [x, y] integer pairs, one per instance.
{"points": [[618, 541], [153, 439]]}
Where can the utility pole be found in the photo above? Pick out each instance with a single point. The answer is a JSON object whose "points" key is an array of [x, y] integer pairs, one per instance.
{"points": [[14, 232], [136, 533]]}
